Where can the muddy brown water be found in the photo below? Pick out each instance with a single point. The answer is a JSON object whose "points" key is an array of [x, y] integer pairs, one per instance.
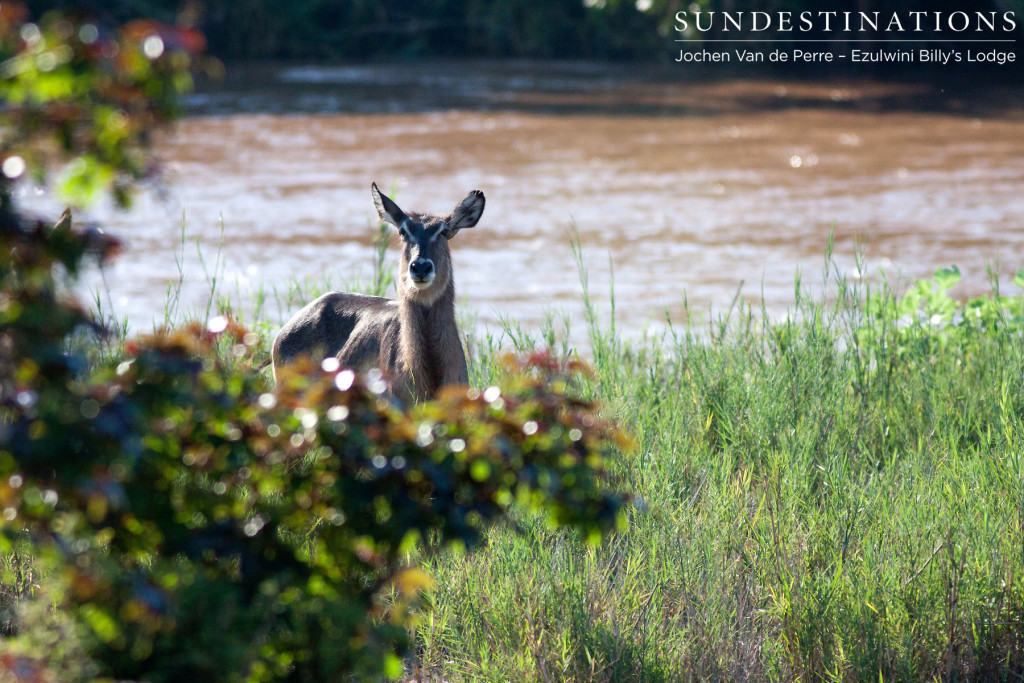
{"points": [[684, 188]]}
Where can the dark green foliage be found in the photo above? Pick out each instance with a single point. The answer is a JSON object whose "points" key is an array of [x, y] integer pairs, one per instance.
{"points": [[563, 29], [360, 29]]}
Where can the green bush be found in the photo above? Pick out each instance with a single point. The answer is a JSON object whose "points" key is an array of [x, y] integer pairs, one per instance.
{"points": [[191, 521]]}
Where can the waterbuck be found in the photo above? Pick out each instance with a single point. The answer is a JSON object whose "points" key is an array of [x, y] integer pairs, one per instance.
{"points": [[413, 338]]}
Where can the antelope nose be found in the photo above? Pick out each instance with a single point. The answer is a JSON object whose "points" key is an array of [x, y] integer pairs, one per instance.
{"points": [[421, 268]]}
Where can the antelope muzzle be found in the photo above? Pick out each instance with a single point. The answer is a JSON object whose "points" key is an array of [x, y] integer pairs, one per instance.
{"points": [[421, 272]]}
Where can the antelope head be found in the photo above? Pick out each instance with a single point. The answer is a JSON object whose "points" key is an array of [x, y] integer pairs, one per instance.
{"points": [[425, 269]]}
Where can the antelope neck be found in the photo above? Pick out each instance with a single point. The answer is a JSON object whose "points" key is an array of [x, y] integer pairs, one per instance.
{"points": [[425, 329]]}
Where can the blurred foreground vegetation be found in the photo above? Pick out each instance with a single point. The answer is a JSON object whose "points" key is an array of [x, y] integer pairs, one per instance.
{"points": [[168, 514], [188, 519]]}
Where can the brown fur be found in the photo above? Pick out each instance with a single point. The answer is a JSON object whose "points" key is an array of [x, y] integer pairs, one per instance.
{"points": [[413, 338]]}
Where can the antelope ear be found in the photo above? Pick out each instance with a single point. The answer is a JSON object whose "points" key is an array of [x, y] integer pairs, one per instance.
{"points": [[387, 209], [466, 214]]}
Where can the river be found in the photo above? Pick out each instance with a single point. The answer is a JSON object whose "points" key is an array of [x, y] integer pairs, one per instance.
{"points": [[683, 187]]}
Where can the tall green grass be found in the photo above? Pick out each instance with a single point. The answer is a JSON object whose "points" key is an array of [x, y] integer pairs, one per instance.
{"points": [[836, 495]]}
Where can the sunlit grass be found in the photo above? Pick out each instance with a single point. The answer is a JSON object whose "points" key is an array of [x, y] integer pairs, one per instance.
{"points": [[834, 496]]}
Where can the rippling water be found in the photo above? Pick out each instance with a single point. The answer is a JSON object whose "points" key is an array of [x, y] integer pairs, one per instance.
{"points": [[684, 187]]}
